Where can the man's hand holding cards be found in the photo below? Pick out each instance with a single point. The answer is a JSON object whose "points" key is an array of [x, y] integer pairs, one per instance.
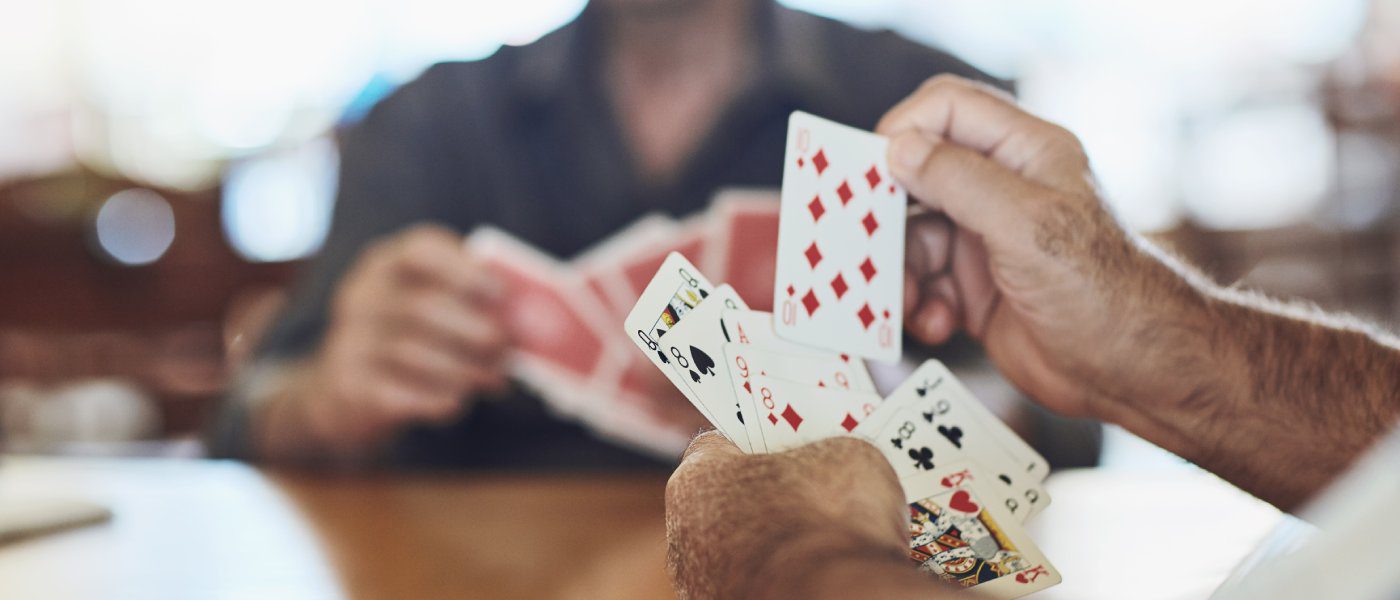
{"points": [[774, 381]]}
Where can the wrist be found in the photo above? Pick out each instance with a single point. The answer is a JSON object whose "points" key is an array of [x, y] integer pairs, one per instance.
{"points": [[830, 565], [299, 417], [1169, 343]]}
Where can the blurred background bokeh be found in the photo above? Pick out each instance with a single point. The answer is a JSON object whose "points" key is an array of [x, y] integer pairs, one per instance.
{"points": [[165, 166]]}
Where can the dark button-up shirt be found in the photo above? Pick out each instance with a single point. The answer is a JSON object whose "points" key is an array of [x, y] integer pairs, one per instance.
{"points": [[528, 141]]}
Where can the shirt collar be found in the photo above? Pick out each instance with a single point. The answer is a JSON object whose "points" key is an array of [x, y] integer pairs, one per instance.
{"points": [[793, 64]]}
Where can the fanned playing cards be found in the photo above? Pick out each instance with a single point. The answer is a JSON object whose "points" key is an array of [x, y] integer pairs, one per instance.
{"points": [[773, 381]]}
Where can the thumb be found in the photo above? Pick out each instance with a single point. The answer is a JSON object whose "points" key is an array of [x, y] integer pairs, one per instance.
{"points": [[976, 192]]}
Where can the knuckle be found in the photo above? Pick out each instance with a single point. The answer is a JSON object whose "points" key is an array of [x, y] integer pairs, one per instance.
{"points": [[384, 395], [704, 442], [1063, 139], [442, 407], [943, 163], [400, 351], [942, 81], [429, 237], [421, 305], [419, 251]]}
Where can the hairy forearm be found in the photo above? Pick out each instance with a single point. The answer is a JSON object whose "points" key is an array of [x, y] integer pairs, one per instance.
{"points": [[1319, 389], [1276, 398]]}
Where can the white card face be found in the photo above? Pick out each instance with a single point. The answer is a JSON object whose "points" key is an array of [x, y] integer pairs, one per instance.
{"points": [[900, 436], [676, 290], [912, 445], [959, 533], [755, 328], [945, 415], [784, 414], [696, 348], [946, 403], [814, 370], [840, 264]]}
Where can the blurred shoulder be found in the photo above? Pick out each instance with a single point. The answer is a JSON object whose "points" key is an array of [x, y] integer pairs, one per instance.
{"points": [[459, 88], [884, 65]]}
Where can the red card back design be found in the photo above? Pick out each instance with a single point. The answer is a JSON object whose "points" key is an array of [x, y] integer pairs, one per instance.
{"points": [[543, 323], [690, 242], [749, 259], [547, 311]]}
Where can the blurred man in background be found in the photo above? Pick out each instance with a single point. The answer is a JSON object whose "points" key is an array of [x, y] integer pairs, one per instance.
{"points": [[638, 106]]}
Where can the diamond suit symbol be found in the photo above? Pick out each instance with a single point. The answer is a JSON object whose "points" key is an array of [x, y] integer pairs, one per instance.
{"points": [[873, 177], [815, 207], [844, 192], [849, 423], [793, 419], [819, 161], [813, 254], [867, 269], [810, 302], [866, 316], [869, 223], [838, 285]]}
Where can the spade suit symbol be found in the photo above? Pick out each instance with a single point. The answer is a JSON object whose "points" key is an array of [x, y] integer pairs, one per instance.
{"points": [[702, 361], [954, 434], [922, 457], [664, 359]]}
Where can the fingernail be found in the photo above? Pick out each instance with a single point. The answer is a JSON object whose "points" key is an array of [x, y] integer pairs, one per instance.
{"points": [[910, 150]]}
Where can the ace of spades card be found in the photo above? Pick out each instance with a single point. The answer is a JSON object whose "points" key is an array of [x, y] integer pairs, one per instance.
{"points": [[840, 264]]}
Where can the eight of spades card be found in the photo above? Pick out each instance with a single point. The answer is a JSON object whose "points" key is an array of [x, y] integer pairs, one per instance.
{"points": [[676, 290], [695, 347]]}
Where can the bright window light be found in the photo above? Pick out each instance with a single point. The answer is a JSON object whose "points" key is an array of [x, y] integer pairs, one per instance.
{"points": [[135, 227], [277, 207]]}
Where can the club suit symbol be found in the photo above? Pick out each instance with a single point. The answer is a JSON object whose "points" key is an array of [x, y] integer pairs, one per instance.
{"points": [[922, 457]]}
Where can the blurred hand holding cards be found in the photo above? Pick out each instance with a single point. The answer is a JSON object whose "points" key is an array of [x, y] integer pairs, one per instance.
{"points": [[562, 315], [775, 381]]}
